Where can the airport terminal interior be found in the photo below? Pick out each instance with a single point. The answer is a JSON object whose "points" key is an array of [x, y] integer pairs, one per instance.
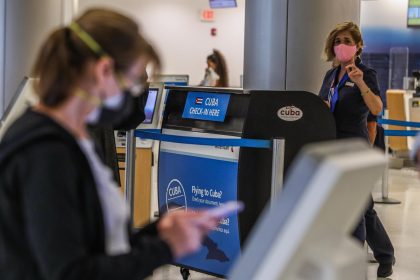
{"points": [[242, 120]]}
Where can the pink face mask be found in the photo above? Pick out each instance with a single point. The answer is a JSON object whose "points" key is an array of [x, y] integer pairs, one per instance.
{"points": [[344, 53]]}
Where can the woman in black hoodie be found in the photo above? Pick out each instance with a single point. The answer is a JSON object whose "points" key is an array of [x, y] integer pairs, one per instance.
{"points": [[61, 214]]}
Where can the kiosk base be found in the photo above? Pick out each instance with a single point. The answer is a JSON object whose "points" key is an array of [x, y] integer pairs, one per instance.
{"points": [[387, 200]]}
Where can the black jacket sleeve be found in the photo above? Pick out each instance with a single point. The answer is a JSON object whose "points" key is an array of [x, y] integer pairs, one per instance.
{"points": [[148, 231], [55, 229]]}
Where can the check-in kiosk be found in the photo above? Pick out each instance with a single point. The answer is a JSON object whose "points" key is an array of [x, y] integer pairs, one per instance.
{"points": [[203, 176]]}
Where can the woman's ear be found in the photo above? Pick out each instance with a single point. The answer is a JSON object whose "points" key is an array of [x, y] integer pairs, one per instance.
{"points": [[103, 69], [359, 48]]}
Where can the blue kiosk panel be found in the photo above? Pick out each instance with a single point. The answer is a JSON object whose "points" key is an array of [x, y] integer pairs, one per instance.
{"points": [[202, 177], [195, 179]]}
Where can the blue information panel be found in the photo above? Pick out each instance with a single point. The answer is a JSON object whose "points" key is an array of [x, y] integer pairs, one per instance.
{"points": [[187, 181], [206, 106]]}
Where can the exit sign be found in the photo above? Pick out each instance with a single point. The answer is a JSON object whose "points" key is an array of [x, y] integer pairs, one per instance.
{"points": [[207, 15]]}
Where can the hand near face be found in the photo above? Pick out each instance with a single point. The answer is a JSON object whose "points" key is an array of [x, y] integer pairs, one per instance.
{"points": [[355, 74]]}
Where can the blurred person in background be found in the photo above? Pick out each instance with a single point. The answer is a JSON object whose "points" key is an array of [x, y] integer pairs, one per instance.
{"points": [[216, 73]]}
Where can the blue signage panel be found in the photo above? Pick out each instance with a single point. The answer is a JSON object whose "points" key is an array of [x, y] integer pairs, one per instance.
{"points": [[191, 182], [206, 106]]}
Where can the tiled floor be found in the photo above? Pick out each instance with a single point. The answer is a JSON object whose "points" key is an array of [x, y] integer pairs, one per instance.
{"points": [[401, 221], [403, 224]]}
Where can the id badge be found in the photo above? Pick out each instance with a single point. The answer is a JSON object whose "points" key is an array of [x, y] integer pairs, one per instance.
{"points": [[330, 95]]}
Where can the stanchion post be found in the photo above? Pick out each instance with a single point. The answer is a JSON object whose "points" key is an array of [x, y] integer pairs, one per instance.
{"points": [[130, 165], [386, 171], [277, 169], [385, 182]]}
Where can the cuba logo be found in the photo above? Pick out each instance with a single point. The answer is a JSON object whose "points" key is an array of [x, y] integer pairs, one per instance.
{"points": [[175, 196], [290, 113]]}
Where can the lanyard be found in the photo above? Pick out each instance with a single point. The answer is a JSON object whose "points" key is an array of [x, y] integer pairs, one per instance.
{"points": [[333, 94]]}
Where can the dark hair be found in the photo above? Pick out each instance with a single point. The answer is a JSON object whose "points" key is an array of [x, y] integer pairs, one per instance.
{"points": [[349, 26], [221, 69], [63, 57]]}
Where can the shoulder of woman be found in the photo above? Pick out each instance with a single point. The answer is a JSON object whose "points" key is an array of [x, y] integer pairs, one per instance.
{"points": [[331, 71], [369, 73], [328, 74], [366, 69]]}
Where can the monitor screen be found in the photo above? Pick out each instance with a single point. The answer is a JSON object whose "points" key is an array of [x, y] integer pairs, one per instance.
{"points": [[149, 109], [172, 80], [215, 4], [413, 18]]}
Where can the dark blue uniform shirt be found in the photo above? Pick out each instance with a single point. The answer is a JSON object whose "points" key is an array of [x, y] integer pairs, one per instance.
{"points": [[350, 111]]}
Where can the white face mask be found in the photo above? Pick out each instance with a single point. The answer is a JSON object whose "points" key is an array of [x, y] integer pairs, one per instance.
{"points": [[93, 116], [112, 103]]}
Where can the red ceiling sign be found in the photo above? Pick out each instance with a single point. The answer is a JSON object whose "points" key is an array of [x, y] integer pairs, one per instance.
{"points": [[207, 15]]}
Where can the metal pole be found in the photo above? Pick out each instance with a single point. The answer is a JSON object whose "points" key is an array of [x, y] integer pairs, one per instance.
{"points": [[274, 51], [265, 52], [386, 172], [277, 168], [385, 187], [130, 165], [69, 9], [2, 56], [75, 7]]}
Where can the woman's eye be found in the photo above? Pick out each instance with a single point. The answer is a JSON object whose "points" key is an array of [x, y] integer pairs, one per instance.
{"points": [[348, 42]]}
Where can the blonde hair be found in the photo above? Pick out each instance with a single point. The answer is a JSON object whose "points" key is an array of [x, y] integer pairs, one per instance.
{"points": [[349, 26]]}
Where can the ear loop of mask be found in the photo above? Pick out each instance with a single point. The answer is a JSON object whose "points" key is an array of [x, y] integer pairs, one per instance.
{"points": [[93, 100], [135, 90]]}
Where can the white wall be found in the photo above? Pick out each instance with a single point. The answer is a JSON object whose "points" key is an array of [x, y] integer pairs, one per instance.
{"points": [[384, 25], [384, 13], [28, 22], [183, 41], [309, 24]]}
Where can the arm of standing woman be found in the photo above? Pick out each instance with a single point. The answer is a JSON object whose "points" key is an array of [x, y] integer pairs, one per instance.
{"points": [[371, 126], [368, 86]]}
